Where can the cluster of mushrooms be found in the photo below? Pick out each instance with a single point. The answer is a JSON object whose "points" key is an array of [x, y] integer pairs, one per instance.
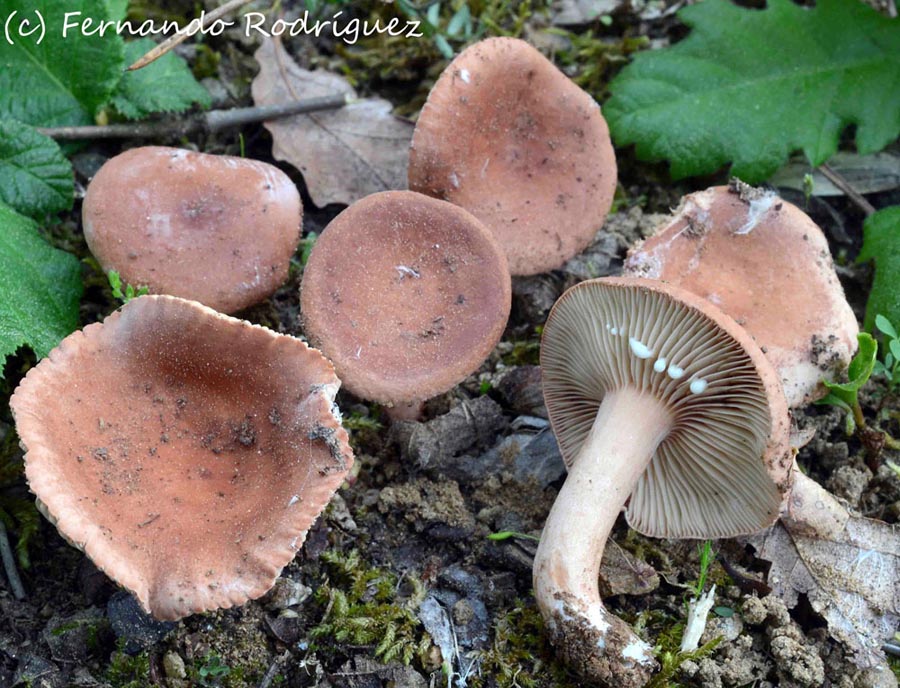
{"points": [[172, 428]]}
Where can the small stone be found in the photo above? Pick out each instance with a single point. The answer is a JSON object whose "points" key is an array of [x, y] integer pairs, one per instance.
{"points": [[74, 638], [286, 593], [173, 665], [133, 625], [540, 460], [462, 613], [521, 390]]}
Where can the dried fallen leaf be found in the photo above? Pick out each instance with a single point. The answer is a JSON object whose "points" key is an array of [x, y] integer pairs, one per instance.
{"points": [[848, 567], [343, 154]]}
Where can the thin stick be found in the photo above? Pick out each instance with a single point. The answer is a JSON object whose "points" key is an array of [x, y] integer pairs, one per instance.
{"points": [[840, 182], [208, 122], [183, 35], [9, 565]]}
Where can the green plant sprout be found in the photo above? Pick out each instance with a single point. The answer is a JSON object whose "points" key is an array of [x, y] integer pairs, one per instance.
{"points": [[211, 671], [706, 559], [131, 292], [889, 368], [845, 395], [507, 534]]}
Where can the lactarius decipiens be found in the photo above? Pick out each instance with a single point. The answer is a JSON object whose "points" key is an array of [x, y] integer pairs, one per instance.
{"points": [[514, 141], [765, 263], [213, 228], [187, 453], [406, 294], [653, 393]]}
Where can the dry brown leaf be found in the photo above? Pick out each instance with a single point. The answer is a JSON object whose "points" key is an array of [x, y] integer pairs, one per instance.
{"points": [[848, 567], [343, 154]]}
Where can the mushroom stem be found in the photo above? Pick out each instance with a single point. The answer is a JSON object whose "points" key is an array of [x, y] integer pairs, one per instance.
{"points": [[628, 428]]}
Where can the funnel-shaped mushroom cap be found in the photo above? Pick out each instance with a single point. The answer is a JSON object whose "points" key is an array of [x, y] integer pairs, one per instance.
{"points": [[213, 228], [406, 295], [186, 452], [723, 467], [765, 263], [511, 139]]}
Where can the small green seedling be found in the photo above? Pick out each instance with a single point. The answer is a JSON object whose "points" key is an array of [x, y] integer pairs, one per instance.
{"points": [[845, 395], [131, 292], [889, 368], [212, 670], [706, 558], [507, 534], [306, 246]]}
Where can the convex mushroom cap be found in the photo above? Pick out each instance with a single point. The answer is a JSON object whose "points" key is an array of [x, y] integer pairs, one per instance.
{"points": [[765, 263], [654, 393], [216, 229], [511, 139], [187, 453], [406, 295]]}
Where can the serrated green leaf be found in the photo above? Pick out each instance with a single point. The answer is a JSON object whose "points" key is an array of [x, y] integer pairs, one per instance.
{"points": [[35, 176], [65, 79], [881, 243], [751, 86], [40, 287], [165, 85]]}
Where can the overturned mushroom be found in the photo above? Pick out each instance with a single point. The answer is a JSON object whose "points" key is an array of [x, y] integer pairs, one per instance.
{"points": [[406, 294], [186, 452], [216, 229], [746, 250], [511, 139], [655, 393]]}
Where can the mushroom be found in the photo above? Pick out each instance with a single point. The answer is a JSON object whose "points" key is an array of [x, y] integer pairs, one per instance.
{"points": [[511, 139], [213, 228], [406, 294], [745, 250], [185, 452], [652, 392]]}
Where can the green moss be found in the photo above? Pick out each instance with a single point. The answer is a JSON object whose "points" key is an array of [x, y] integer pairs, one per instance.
{"points": [[363, 606], [592, 62], [520, 654], [127, 671]]}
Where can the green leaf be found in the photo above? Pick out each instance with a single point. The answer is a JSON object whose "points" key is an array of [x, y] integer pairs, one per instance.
{"points": [[858, 372], [750, 86], [881, 243], [117, 9], [885, 327], [40, 287], [35, 176], [165, 85], [64, 80]]}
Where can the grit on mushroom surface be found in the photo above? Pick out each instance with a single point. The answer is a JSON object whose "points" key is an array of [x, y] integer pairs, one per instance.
{"points": [[216, 229], [406, 294], [511, 139], [187, 453], [763, 261], [656, 394]]}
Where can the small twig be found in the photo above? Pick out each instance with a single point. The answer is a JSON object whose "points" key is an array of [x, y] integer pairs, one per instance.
{"points": [[840, 182], [207, 122], [274, 668], [184, 34], [9, 565]]}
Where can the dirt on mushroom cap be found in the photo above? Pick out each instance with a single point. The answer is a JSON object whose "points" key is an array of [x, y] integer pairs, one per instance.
{"points": [[406, 294], [179, 448], [509, 137], [744, 249], [217, 229]]}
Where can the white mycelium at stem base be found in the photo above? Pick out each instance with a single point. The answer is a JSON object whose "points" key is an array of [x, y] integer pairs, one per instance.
{"points": [[656, 394], [628, 428]]}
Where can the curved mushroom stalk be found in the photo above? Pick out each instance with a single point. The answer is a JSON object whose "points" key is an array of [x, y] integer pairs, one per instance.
{"points": [[618, 449]]}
